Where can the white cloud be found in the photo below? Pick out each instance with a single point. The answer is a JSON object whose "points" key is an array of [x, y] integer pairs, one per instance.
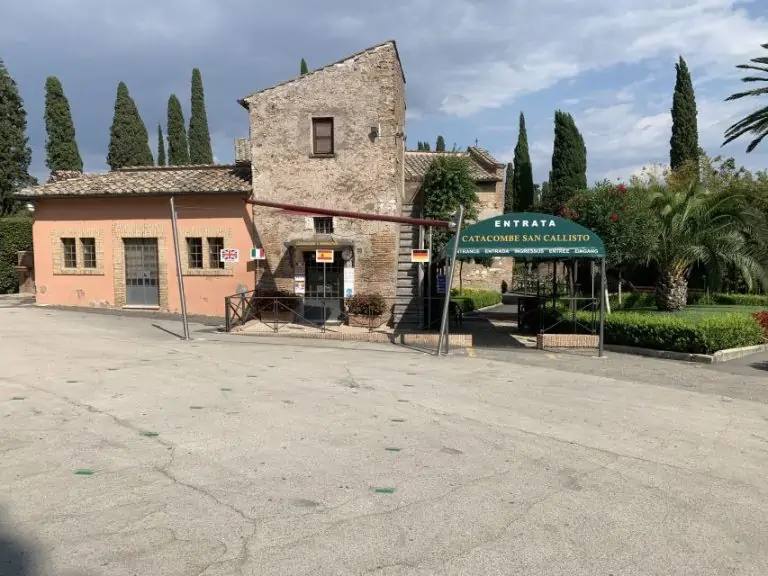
{"points": [[594, 35]]}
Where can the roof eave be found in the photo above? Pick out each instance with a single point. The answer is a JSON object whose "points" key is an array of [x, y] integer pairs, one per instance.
{"points": [[134, 195], [243, 101]]}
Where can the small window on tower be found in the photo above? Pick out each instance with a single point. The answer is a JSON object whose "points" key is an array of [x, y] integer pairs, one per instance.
{"points": [[322, 136], [324, 225]]}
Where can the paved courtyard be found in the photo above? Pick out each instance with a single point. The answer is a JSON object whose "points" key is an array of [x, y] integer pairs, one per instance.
{"points": [[126, 452]]}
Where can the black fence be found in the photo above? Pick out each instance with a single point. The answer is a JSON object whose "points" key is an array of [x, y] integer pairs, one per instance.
{"points": [[278, 312]]}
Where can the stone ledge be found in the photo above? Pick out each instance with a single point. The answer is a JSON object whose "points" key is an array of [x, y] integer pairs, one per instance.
{"points": [[663, 354], [544, 341], [736, 353], [410, 339], [716, 358]]}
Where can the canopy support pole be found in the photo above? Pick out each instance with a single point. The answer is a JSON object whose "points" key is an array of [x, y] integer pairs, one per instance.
{"points": [[449, 283], [603, 294]]}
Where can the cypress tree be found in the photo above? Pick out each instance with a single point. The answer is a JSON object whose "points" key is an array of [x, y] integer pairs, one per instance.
{"points": [[426, 146], [420, 146], [440, 144], [160, 147], [200, 151], [178, 150], [523, 172], [569, 163], [129, 139], [303, 67], [60, 146], [684, 143], [15, 153], [509, 188]]}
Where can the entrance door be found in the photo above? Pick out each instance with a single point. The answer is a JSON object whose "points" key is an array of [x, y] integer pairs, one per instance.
{"points": [[324, 295], [141, 285]]}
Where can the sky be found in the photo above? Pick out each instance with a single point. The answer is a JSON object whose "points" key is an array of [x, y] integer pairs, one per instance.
{"points": [[471, 67]]}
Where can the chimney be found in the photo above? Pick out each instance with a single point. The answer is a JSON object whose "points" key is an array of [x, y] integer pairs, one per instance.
{"points": [[242, 150], [59, 175]]}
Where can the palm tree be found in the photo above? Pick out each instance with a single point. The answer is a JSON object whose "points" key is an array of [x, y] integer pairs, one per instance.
{"points": [[755, 123], [719, 228]]}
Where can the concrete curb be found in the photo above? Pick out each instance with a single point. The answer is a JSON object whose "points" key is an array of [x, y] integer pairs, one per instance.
{"points": [[736, 353], [665, 354], [716, 358]]}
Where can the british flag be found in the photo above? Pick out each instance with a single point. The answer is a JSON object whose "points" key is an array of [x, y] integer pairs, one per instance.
{"points": [[229, 255]]}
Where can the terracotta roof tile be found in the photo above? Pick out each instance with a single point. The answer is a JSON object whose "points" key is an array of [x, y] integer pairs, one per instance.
{"points": [[200, 179], [417, 164]]}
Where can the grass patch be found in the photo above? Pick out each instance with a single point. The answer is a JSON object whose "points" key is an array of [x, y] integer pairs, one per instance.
{"points": [[470, 299]]}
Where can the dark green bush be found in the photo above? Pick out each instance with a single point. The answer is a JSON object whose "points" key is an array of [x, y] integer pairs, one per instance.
{"points": [[366, 305], [469, 299], [690, 334], [739, 299], [15, 235], [633, 300]]}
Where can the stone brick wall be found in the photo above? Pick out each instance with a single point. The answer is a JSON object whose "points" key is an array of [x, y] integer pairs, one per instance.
{"points": [[491, 196], [364, 174]]}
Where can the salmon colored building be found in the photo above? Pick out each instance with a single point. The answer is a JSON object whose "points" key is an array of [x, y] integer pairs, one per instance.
{"points": [[106, 240]]}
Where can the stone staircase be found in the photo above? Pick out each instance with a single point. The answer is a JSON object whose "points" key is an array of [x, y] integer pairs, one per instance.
{"points": [[408, 309]]}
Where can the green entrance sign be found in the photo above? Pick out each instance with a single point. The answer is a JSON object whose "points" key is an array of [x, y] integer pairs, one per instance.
{"points": [[527, 235]]}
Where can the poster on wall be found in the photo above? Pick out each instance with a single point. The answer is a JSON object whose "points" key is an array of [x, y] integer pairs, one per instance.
{"points": [[349, 282], [298, 285]]}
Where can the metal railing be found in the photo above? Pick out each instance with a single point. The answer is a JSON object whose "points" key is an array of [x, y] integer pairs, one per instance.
{"points": [[278, 312]]}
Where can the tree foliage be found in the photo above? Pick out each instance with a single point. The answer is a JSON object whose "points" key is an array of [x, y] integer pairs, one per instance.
{"points": [[703, 222], [160, 146], [569, 164], [200, 151], [440, 144], [178, 149], [303, 69], [523, 192], [509, 188], [684, 143], [15, 235], [755, 123], [621, 216], [60, 145], [129, 139], [447, 184], [15, 153]]}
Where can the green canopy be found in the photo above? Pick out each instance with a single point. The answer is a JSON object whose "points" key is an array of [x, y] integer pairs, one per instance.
{"points": [[527, 235]]}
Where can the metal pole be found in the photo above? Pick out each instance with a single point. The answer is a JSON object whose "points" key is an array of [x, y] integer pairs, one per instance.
{"points": [[449, 284], [175, 228], [602, 308], [429, 283], [324, 314]]}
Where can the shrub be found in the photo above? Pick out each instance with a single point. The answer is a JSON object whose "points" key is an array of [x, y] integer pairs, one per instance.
{"points": [[366, 305], [15, 235], [469, 299], [762, 319], [690, 334], [633, 301], [739, 299]]}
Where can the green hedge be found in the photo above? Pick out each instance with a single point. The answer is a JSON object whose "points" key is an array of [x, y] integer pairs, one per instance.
{"points": [[693, 335], [636, 300], [735, 299], [15, 235], [470, 299]]}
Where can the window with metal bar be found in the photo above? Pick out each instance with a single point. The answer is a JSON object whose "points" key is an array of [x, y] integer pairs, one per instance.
{"points": [[69, 249], [215, 246], [323, 225], [195, 252], [322, 136], [89, 252]]}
